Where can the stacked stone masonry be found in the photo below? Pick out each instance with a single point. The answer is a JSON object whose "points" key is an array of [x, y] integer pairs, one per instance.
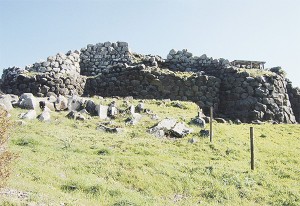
{"points": [[294, 95], [153, 83], [111, 69]]}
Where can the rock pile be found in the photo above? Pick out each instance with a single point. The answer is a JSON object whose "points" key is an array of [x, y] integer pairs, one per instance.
{"points": [[185, 61], [170, 128], [157, 84], [60, 63]]}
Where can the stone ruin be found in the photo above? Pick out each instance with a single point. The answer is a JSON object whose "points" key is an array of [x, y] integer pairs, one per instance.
{"points": [[112, 69]]}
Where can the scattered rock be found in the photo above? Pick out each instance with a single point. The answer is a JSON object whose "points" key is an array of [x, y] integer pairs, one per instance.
{"points": [[178, 105], [204, 133], [140, 107], [5, 100], [44, 116], [134, 119], [199, 121], [28, 101], [71, 115], [112, 109], [75, 103], [102, 111], [31, 114], [109, 129], [80, 117], [180, 130], [61, 103], [170, 127], [90, 106]]}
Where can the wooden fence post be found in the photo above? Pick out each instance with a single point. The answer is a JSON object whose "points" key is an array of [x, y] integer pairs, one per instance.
{"points": [[252, 147], [210, 124]]}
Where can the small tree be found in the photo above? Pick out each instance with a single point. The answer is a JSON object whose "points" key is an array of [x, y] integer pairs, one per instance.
{"points": [[5, 156]]}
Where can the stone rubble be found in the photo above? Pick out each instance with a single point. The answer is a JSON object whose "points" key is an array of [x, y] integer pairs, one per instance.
{"points": [[111, 69]]}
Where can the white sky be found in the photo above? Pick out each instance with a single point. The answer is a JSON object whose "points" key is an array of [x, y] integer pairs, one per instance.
{"points": [[267, 30]]}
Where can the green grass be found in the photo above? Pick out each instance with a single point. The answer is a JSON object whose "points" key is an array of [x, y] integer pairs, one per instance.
{"points": [[256, 72], [70, 162]]}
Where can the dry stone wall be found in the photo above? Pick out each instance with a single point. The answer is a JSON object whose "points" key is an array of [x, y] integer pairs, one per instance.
{"points": [[153, 83], [60, 63], [183, 60], [102, 57], [250, 98], [111, 69], [40, 84], [294, 95], [99, 58]]}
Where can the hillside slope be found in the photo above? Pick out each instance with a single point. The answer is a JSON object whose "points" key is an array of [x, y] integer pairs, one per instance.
{"points": [[68, 162]]}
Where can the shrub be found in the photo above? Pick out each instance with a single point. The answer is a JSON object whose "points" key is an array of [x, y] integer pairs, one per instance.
{"points": [[279, 71], [5, 156]]}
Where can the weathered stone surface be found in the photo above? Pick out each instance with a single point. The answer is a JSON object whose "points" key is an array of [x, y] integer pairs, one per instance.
{"points": [[180, 130], [134, 119], [31, 114], [102, 111], [44, 116], [6, 101], [75, 103], [109, 129], [140, 107], [112, 110], [204, 133], [199, 121], [208, 82], [170, 127], [71, 115], [61, 103], [28, 101], [75, 115], [90, 106]]}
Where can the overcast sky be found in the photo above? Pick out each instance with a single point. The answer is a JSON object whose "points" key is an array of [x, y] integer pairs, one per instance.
{"points": [[266, 30]]}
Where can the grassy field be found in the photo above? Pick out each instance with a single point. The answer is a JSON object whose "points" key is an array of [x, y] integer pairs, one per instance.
{"points": [[66, 162]]}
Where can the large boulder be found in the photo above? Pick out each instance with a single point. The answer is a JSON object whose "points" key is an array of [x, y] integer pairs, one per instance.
{"points": [[180, 130], [90, 106], [170, 127], [28, 101], [75, 103]]}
